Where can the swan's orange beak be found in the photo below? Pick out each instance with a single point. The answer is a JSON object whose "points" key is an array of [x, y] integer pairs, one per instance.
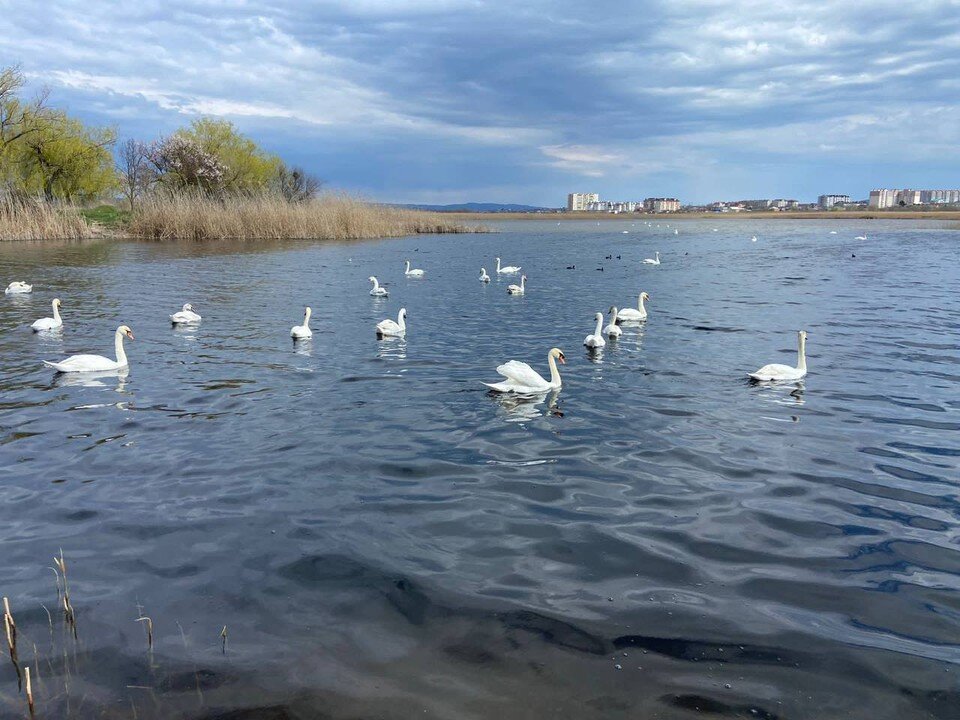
{"points": [[130, 334]]}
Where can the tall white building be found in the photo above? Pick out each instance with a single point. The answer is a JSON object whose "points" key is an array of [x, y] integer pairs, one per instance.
{"points": [[578, 202], [883, 198], [828, 201]]}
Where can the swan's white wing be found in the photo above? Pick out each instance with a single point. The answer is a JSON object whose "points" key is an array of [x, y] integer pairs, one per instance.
{"points": [[388, 326], [776, 371], [84, 363], [521, 374], [45, 324]]}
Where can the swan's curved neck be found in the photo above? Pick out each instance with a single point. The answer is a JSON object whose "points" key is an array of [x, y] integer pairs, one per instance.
{"points": [[401, 320], [56, 311], [523, 282], [408, 266], [640, 304], [554, 372], [599, 324], [376, 284], [498, 264], [801, 354], [306, 318], [118, 346]]}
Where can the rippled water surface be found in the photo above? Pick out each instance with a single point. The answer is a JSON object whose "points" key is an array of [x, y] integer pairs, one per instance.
{"points": [[382, 538]]}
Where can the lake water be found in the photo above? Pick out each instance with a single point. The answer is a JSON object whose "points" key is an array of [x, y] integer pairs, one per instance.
{"points": [[382, 538]]}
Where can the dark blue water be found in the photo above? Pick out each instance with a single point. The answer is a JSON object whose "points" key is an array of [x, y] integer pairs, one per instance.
{"points": [[384, 539]]}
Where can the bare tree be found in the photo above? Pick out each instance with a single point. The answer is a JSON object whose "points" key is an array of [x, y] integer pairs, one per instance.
{"points": [[296, 184], [136, 171]]}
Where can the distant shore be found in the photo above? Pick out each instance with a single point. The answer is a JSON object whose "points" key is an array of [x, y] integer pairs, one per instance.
{"points": [[719, 217]]}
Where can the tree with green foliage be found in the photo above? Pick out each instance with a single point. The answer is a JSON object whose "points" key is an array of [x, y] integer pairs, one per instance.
{"points": [[45, 151], [247, 167]]}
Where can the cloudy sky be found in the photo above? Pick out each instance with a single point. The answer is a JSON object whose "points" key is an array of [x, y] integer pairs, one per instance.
{"points": [[514, 101]]}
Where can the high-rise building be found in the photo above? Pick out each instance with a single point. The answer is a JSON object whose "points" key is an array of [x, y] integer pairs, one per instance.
{"points": [[883, 198], [577, 202], [828, 201], [908, 197], [660, 205]]}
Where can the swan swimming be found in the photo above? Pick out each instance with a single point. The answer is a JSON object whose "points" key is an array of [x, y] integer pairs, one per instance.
{"points": [[629, 314], [518, 289], [389, 328], [613, 330], [524, 380], [413, 273], [507, 269], [775, 371], [186, 316], [753, 239], [17, 288], [651, 261], [50, 323], [860, 237], [377, 291], [303, 331], [596, 339], [96, 363], [483, 273]]}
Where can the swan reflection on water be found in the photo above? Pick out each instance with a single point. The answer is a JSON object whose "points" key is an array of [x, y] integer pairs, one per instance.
{"points": [[779, 392], [392, 347], [107, 379], [517, 408], [303, 346]]}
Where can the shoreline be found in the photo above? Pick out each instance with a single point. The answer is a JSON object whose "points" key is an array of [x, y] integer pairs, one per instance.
{"points": [[763, 215]]}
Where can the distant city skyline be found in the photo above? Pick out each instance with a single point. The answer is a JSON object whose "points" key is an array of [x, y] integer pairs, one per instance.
{"points": [[446, 101]]}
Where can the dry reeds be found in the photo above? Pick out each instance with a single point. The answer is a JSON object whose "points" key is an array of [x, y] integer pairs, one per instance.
{"points": [[269, 217], [29, 218], [68, 613]]}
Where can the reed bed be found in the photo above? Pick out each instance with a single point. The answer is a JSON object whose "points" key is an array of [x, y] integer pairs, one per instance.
{"points": [[35, 219], [266, 217]]}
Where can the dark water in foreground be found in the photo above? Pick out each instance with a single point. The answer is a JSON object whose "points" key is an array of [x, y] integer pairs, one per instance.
{"points": [[383, 539]]}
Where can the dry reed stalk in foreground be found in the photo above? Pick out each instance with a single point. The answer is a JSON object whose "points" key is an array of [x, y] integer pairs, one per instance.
{"points": [[68, 613], [267, 217], [35, 219], [29, 691], [11, 630], [149, 630]]}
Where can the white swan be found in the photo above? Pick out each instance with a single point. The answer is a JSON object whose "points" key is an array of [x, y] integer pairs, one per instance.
{"points": [[753, 239], [508, 269], [186, 316], [524, 380], [413, 273], [613, 330], [640, 313], [596, 339], [483, 275], [96, 363], [54, 323], [389, 328], [17, 287], [676, 232], [775, 371], [652, 261], [377, 291], [860, 237], [303, 331], [518, 289]]}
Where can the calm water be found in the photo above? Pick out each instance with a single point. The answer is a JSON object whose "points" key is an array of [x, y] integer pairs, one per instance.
{"points": [[383, 539]]}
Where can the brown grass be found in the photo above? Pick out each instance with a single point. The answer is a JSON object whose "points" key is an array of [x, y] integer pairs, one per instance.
{"points": [[333, 217], [34, 219]]}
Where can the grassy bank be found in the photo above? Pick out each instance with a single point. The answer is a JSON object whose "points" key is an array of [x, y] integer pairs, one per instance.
{"points": [[331, 217], [30, 219]]}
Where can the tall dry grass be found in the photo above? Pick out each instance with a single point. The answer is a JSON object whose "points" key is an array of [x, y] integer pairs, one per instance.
{"points": [[27, 218], [267, 217]]}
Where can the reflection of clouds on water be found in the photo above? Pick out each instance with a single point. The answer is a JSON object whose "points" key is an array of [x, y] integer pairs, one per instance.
{"points": [[392, 347], [108, 379], [519, 408]]}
